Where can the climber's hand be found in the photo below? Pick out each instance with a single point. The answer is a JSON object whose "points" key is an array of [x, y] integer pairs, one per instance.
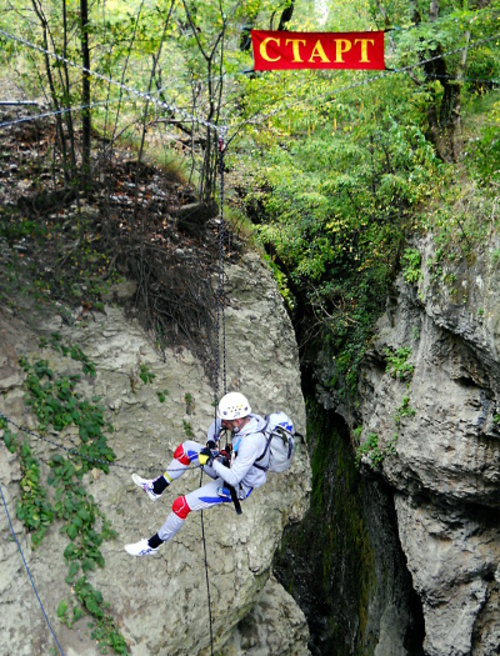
{"points": [[206, 457], [224, 458], [211, 445]]}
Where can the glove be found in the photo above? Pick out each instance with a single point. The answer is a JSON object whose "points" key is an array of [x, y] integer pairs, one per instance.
{"points": [[211, 445], [206, 457], [224, 458]]}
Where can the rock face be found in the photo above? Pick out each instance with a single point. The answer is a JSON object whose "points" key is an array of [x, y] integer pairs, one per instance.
{"points": [[160, 604], [431, 425]]}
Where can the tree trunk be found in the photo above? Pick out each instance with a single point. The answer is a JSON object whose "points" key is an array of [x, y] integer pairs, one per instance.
{"points": [[86, 113], [444, 118]]}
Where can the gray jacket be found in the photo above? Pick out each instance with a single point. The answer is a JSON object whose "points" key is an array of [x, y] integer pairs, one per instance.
{"points": [[248, 445]]}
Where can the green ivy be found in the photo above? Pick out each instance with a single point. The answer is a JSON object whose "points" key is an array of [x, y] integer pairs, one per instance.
{"points": [[145, 374], [33, 509], [404, 410], [74, 351], [376, 454], [57, 404], [397, 363], [188, 429], [370, 447], [411, 265], [162, 395]]}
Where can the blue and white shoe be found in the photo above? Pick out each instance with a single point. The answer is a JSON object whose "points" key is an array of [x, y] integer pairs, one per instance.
{"points": [[146, 485], [140, 548]]}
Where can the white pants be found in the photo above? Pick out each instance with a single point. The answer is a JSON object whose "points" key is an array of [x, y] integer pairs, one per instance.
{"points": [[211, 494]]}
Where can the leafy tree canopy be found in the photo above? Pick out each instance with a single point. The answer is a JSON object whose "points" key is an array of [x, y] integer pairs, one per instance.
{"points": [[336, 169]]}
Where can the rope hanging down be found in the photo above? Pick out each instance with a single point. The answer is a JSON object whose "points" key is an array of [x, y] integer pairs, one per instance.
{"points": [[220, 327], [29, 573], [220, 351]]}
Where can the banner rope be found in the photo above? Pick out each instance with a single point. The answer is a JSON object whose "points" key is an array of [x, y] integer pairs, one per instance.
{"points": [[56, 112], [109, 80], [353, 85], [222, 130]]}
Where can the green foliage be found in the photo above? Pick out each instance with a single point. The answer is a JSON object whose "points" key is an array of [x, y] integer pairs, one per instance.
{"points": [[162, 395], [62, 608], [397, 363], [145, 374], [404, 410], [33, 509], [10, 440], [104, 630], [74, 351], [372, 449], [487, 151], [58, 404], [64, 614], [190, 404], [15, 230], [339, 206], [188, 429], [411, 265]]}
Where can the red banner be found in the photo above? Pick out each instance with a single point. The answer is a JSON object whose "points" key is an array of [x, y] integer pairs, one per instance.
{"points": [[291, 50]]}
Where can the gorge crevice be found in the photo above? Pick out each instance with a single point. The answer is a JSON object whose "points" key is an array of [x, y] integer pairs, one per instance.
{"points": [[424, 425], [344, 564]]}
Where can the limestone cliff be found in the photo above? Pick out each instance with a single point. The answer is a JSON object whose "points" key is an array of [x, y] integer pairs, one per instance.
{"points": [[431, 428], [160, 604]]}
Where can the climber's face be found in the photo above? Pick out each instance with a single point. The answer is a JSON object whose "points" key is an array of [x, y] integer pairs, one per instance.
{"points": [[234, 425], [231, 424]]}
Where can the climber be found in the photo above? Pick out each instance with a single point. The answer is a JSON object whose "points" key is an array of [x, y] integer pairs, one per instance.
{"points": [[234, 467]]}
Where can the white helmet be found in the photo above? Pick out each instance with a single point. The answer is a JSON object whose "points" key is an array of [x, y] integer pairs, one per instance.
{"points": [[234, 406]]}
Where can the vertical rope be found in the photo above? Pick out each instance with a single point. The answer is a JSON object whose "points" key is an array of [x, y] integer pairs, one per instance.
{"points": [[207, 579], [215, 374], [220, 318], [222, 236], [29, 573], [220, 345]]}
